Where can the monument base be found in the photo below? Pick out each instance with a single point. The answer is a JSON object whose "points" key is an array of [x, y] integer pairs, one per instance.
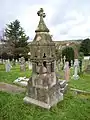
{"points": [[46, 97], [40, 103]]}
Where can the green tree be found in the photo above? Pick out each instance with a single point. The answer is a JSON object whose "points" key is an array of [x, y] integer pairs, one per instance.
{"points": [[68, 52], [85, 46], [80, 58], [16, 39], [58, 54]]}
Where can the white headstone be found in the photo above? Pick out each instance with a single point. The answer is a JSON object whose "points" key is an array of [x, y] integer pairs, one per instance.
{"points": [[8, 66], [29, 65], [71, 63], [22, 64], [76, 65], [22, 81]]}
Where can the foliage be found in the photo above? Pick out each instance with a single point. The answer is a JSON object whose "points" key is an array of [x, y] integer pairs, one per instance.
{"points": [[85, 46], [58, 54], [16, 39], [4, 55], [80, 58], [68, 52], [81, 55]]}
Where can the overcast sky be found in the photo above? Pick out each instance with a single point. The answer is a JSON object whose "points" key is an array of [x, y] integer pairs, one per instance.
{"points": [[66, 19]]}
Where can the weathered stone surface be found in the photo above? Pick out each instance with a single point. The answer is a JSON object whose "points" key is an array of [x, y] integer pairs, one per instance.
{"points": [[22, 81], [76, 65], [87, 69], [43, 87], [22, 64]]}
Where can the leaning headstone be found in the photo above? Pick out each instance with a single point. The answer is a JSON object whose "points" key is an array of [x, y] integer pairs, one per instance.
{"points": [[76, 65], [8, 66], [66, 71], [22, 64]]}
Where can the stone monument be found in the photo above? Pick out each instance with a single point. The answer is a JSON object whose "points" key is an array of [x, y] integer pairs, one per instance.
{"points": [[43, 88], [76, 66], [22, 64], [66, 71], [29, 64], [8, 66], [87, 70]]}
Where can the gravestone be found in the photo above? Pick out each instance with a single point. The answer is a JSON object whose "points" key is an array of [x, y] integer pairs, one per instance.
{"points": [[76, 66], [1, 61], [88, 67], [43, 87], [61, 64], [8, 66], [29, 65], [16, 61], [22, 64], [66, 71], [71, 63], [13, 62], [4, 61]]}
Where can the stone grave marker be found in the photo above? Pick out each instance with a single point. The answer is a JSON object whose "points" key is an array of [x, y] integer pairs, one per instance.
{"points": [[72, 63], [8, 66], [87, 70], [29, 65], [76, 66], [22, 81], [22, 64], [66, 71]]}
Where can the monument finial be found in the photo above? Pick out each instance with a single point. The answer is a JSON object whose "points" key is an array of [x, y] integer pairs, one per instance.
{"points": [[41, 13], [41, 26]]}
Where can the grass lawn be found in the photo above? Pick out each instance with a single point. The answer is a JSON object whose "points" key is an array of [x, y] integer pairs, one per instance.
{"points": [[9, 77], [73, 107]]}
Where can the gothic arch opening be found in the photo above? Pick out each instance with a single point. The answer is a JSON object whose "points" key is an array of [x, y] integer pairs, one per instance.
{"points": [[44, 55], [44, 64]]}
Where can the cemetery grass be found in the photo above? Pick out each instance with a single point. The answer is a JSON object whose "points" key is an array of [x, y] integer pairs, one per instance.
{"points": [[83, 83], [9, 77], [73, 107]]}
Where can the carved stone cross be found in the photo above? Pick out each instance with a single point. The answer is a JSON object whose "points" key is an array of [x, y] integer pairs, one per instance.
{"points": [[41, 13]]}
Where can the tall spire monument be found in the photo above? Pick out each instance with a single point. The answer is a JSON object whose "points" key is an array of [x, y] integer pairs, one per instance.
{"points": [[44, 89]]}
